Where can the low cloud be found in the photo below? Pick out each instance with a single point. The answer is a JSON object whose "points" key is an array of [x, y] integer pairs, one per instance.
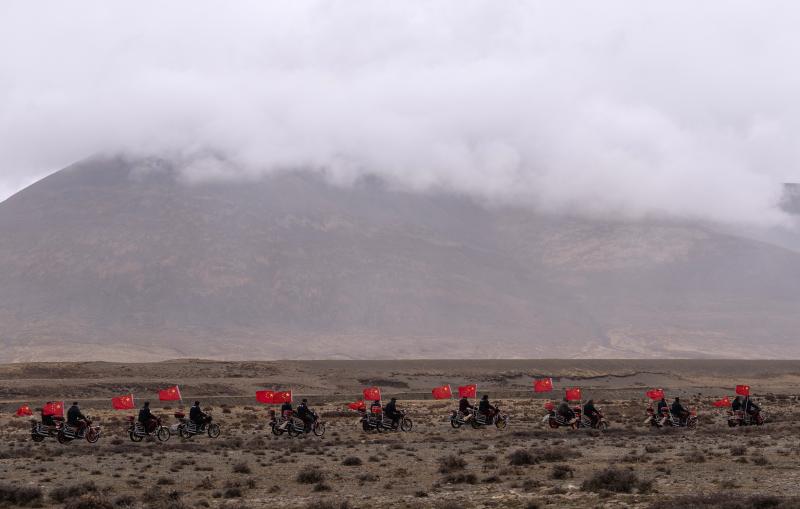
{"points": [[676, 109]]}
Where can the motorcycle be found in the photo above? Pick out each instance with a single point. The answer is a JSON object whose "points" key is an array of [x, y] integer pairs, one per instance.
{"points": [[375, 420], [478, 419], [68, 433], [137, 432], [668, 419], [187, 428], [295, 426], [556, 420], [742, 418], [41, 431]]}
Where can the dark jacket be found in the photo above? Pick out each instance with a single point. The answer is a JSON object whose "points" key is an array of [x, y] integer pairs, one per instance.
{"points": [[678, 409], [145, 415], [195, 414], [303, 411], [589, 410], [464, 405], [391, 408], [286, 407], [736, 404], [662, 404], [565, 411], [485, 407], [751, 407], [74, 415]]}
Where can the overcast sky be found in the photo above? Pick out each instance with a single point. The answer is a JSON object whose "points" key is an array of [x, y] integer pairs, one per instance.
{"points": [[683, 108]]}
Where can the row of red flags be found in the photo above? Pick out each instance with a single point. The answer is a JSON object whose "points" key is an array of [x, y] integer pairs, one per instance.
{"points": [[173, 393]]}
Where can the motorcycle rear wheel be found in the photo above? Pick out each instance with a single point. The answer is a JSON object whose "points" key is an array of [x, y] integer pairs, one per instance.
{"points": [[134, 437], [62, 439], [36, 437], [163, 434], [183, 432]]}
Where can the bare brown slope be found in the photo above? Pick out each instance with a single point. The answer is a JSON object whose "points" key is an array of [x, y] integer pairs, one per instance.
{"points": [[107, 261]]}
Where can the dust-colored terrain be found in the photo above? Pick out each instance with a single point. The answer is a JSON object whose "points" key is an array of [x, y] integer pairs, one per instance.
{"points": [[433, 465]]}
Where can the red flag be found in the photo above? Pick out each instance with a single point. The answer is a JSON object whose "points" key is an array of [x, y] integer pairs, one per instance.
{"points": [[549, 406], [543, 385], [720, 403], [655, 394], [53, 408], [357, 405], [743, 390], [468, 391], [442, 392], [122, 402], [170, 394], [574, 394], [24, 410], [372, 393], [266, 397], [282, 397]]}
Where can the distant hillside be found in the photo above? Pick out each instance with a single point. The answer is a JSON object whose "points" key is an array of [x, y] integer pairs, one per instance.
{"points": [[111, 259]]}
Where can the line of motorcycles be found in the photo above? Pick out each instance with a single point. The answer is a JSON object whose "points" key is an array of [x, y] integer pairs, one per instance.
{"points": [[478, 420], [64, 433], [294, 426], [579, 421], [377, 421]]}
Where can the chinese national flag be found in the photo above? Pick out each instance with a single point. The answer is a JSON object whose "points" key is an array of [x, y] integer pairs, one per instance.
{"points": [[468, 391], [574, 394], [53, 408], [724, 402], [122, 402], [266, 397], [357, 405], [743, 390], [170, 394], [655, 394], [372, 393], [282, 397], [442, 392], [543, 385], [24, 410]]}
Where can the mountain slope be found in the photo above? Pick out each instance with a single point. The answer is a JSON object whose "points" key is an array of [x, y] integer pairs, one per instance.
{"points": [[121, 260]]}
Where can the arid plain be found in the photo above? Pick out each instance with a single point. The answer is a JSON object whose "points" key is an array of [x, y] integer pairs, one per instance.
{"points": [[527, 465]]}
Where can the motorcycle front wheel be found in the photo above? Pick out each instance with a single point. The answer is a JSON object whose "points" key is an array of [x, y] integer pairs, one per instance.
{"points": [[602, 425], [455, 423], [163, 434], [501, 423], [319, 428], [406, 424], [213, 430], [92, 435]]}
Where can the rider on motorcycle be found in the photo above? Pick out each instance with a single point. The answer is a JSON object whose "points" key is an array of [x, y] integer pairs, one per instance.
{"points": [[390, 411], [590, 411], [566, 412], [737, 404], [286, 413], [306, 415], [464, 406], [147, 419], [75, 418], [679, 410], [751, 408], [197, 416], [486, 408], [48, 419], [660, 415]]}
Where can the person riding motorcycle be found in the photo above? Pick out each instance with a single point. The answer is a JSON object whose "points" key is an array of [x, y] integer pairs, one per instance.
{"points": [[197, 416], [464, 406], [306, 415], [661, 416], [390, 411], [679, 411], [48, 419], [75, 418], [590, 411], [286, 413], [486, 408], [565, 411], [147, 419]]}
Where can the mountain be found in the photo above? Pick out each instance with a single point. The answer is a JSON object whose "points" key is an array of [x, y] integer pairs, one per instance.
{"points": [[123, 259]]}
